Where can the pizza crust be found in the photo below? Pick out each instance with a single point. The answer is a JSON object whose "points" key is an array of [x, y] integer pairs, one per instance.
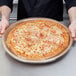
{"points": [[38, 39]]}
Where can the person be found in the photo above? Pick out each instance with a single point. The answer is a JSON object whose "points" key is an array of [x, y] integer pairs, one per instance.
{"points": [[38, 8]]}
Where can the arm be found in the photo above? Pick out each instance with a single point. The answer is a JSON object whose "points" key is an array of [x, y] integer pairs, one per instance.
{"points": [[71, 8], [72, 14], [5, 14], [5, 10], [72, 26]]}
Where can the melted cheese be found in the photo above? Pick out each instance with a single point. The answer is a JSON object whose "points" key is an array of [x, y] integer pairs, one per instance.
{"points": [[36, 38]]}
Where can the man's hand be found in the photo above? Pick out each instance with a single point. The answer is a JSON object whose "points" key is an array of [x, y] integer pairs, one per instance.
{"points": [[5, 15], [72, 28], [3, 25]]}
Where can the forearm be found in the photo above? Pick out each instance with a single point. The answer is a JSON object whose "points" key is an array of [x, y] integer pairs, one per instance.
{"points": [[72, 14], [5, 12]]}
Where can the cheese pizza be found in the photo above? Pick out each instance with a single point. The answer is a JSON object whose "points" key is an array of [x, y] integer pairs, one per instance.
{"points": [[38, 39]]}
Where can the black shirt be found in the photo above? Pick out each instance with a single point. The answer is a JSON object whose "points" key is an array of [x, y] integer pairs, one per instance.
{"points": [[40, 8]]}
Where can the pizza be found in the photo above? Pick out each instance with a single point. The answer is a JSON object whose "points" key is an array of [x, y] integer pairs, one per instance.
{"points": [[38, 39]]}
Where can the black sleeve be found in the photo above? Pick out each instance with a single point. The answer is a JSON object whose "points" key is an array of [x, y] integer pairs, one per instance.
{"points": [[8, 3], [70, 3]]}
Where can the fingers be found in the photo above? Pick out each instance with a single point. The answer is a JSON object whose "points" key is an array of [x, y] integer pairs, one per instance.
{"points": [[3, 26], [3, 29], [73, 33]]}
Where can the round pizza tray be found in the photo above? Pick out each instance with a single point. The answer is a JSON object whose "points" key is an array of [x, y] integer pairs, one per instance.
{"points": [[31, 61]]}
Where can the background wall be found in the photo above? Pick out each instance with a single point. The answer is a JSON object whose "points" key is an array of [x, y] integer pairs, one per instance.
{"points": [[15, 1]]}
